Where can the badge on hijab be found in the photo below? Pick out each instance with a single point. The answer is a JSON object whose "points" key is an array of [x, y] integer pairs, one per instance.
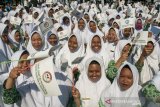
{"points": [[43, 73], [46, 26]]}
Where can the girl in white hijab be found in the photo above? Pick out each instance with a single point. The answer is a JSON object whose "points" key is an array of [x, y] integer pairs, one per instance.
{"points": [[5, 54], [16, 39], [67, 23], [73, 49], [124, 91], [27, 94], [121, 55], [4, 41], [81, 29], [49, 13], [87, 16], [111, 38], [96, 47], [36, 42], [148, 57], [90, 84], [52, 41], [127, 33], [93, 30], [151, 91]]}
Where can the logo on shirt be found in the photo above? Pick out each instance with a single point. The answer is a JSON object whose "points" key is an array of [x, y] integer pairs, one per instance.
{"points": [[47, 77]]}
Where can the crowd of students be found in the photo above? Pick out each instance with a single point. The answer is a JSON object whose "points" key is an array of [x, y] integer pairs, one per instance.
{"points": [[113, 72]]}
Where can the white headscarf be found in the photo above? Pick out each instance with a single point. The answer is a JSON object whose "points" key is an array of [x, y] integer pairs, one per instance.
{"points": [[48, 35], [13, 41], [31, 96], [119, 48], [30, 48], [15, 59], [90, 33], [110, 47], [7, 51], [69, 56], [103, 53], [114, 97], [130, 36], [91, 90], [83, 33], [67, 27], [150, 67]]}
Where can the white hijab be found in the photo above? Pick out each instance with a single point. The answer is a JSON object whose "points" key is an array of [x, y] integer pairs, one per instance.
{"points": [[32, 97], [150, 67], [30, 48], [65, 53], [83, 33], [114, 97], [48, 44], [91, 90], [15, 59], [110, 47], [119, 48], [48, 35], [102, 53], [14, 42], [7, 51], [130, 36], [90, 33], [68, 27]]}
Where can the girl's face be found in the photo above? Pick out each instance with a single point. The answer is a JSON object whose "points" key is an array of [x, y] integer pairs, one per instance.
{"points": [[86, 16], [139, 24], [50, 13], [66, 21], [36, 14], [73, 43], [118, 17], [36, 41], [59, 29], [115, 25], [126, 49], [110, 22], [53, 40], [96, 44], [17, 37], [5, 36], [125, 79], [23, 63], [81, 24], [149, 47], [94, 72], [127, 32], [111, 36], [93, 26]]}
